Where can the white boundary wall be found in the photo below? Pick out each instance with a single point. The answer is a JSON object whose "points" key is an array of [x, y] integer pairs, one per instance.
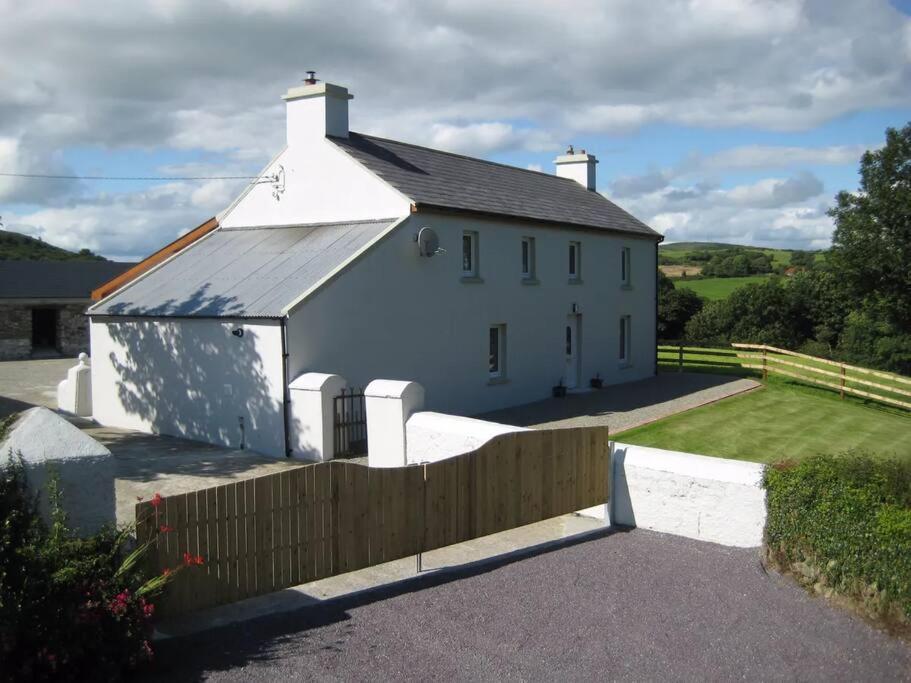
{"points": [[696, 496], [435, 436]]}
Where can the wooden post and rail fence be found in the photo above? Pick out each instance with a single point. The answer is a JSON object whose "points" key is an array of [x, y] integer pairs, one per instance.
{"points": [[272, 532], [875, 385]]}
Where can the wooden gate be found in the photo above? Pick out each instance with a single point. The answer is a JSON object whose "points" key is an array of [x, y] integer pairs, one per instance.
{"points": [[280, 530], [350, 423]]}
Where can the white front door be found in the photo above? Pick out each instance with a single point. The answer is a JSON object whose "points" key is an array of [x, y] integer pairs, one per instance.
{"points": [[571, 343]]}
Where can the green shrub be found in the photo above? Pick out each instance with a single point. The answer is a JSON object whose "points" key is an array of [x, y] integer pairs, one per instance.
{"points": [[844, 523], [70, 608]]}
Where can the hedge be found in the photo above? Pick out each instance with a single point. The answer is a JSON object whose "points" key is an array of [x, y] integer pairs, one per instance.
{"points": [[844, 523]]}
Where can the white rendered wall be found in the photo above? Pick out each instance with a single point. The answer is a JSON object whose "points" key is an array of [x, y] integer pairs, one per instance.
{"points": [[431, 437], [709, 499], [190, 378], [397, 315], [322, 184]]}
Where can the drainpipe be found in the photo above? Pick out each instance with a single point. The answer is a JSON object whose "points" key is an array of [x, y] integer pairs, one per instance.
{"points": [[285, 390], [660, 240]]}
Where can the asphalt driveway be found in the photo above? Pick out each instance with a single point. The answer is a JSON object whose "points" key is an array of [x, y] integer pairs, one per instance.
{"points": [[617, 606]]}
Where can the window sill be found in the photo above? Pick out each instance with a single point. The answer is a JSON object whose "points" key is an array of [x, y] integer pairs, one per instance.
{"points": [[575, 281], [530, 281], [492, 381], [626, 287], [625, 365], [471, 280]]}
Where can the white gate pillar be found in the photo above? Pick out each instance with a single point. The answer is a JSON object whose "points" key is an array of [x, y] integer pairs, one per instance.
{"points": [[310, 422], [389, 405], [74, 394]]}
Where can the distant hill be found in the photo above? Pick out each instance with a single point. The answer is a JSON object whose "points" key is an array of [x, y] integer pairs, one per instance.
{"points": [[707, 246], [17, 247], [679, 253]]}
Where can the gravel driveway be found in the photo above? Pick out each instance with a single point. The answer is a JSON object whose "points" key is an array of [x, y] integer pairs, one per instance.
{"points": [[621, 606]]}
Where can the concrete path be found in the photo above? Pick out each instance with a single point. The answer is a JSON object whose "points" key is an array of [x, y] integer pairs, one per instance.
{"points": [[146, 464], [616, 606], [624, 406], [28, 383]]}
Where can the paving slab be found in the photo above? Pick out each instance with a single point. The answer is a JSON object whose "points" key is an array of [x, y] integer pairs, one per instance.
{"points": [[624, 406]]}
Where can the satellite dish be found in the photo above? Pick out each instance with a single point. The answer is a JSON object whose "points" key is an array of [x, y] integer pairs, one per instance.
{"points": [[428, 242]]}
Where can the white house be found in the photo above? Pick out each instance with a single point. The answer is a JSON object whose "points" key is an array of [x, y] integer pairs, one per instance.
{"points": [[538, 280]]}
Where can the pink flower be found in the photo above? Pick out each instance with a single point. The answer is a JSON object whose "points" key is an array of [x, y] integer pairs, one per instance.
{"points": [[156, 500], [164, 528]]}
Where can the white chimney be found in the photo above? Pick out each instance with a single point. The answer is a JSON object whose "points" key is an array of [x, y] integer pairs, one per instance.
{"points": [[316, 110], [578, 166]]}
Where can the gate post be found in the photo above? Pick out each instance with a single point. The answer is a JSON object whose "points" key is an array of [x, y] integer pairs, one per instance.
{"points": [[389, 405], [311, 415]]}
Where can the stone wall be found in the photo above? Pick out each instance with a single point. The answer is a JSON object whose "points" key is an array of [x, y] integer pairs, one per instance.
{"points": [[15, 332], [72, 330], [16, 329]]}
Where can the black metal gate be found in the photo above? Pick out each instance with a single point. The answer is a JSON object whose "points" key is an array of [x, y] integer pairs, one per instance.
{"points": [[350, 424]]}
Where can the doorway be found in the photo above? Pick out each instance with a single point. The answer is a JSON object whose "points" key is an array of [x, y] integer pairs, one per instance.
{"points": [[571, 341], [44, 329]]}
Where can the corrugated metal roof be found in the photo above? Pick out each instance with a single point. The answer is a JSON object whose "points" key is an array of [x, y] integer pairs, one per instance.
{"points": [[242, 272], [452, 181], [55, 279]]}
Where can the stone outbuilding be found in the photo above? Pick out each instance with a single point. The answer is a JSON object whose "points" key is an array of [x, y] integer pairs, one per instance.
{"points": [[42, 305]]}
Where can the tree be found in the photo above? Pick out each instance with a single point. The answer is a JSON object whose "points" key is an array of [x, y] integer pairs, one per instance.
{"points": [[675, 308], [871, 245]]}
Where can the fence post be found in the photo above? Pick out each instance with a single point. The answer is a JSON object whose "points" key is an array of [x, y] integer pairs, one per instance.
{"points": [[841, 391], [765, 369], [679, 357]]}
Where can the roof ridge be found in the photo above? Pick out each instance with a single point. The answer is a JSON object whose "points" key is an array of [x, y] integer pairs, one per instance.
{"points": [[456, 154]]}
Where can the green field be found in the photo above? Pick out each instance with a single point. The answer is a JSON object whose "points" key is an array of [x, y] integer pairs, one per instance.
{"points": [[715, 288], [782, 420]]}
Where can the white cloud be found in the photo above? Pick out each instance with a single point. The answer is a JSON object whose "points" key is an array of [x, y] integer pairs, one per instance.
{"points": [[471, 76], [772, 156]]}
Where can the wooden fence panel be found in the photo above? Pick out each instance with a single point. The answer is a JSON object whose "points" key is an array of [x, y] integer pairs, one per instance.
{"points": [[272, 532]]}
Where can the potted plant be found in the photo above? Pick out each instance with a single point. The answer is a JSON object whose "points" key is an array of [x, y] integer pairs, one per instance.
{"points": [[559, 391], [596, 382]]}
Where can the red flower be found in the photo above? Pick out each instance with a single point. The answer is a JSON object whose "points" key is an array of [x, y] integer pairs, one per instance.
{"points": [[119, 604], [166, 572], [156, 500], [189, 560], [164, 528]]}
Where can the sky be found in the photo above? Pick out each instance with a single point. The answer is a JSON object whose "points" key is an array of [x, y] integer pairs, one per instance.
{"points": [[712, 120]]}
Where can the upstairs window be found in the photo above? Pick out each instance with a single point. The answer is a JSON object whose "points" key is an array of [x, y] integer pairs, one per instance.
{"points": [[575, 260], [469, 254], [624, 266], [528, 258]]}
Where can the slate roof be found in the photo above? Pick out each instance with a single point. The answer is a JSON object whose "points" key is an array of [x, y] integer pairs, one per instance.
{"points": [[242, 272], [55, 279], [444, 180]]}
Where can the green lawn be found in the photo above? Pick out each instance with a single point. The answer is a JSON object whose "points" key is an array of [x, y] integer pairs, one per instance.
{"points": [[782, 420], [715, 288]]}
